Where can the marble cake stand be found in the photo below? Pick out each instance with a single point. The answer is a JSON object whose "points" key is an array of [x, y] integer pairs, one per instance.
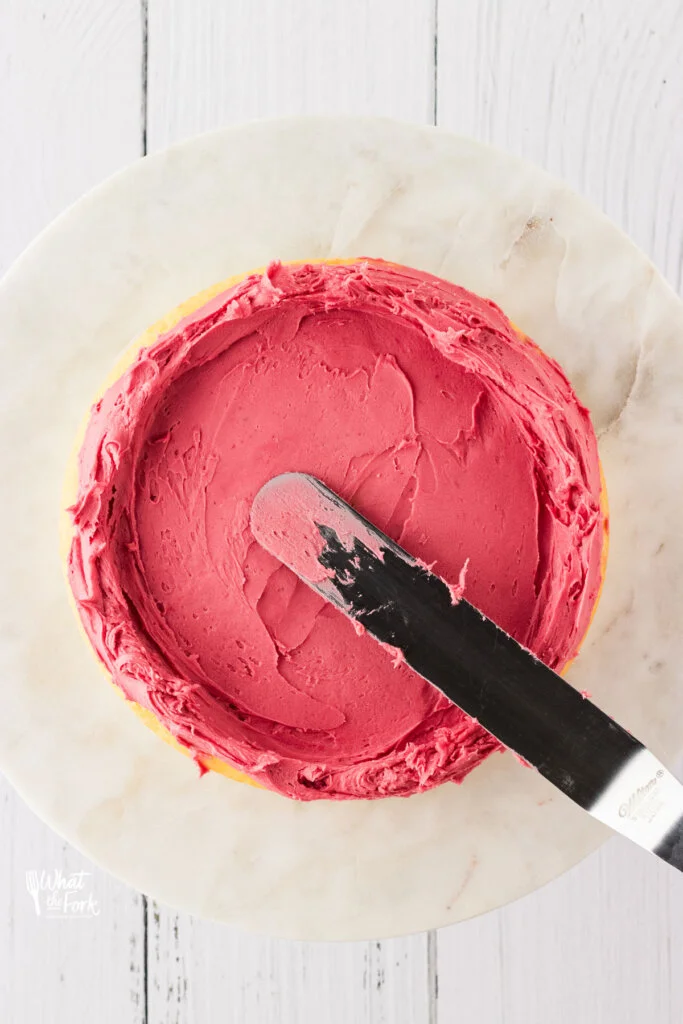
{"points": [[173, 224]]}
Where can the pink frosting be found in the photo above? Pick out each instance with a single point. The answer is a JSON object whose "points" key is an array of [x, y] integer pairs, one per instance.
{"points": [[418, 403]]}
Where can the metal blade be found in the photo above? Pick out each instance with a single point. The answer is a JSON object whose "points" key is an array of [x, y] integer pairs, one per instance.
{"points": [[522, 702]]}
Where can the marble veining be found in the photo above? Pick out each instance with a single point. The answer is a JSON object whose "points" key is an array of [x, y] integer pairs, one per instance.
{"points": [[175, 223]]}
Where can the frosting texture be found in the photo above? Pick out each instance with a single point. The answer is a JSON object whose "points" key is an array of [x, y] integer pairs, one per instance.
{"points": [[421, 405]]}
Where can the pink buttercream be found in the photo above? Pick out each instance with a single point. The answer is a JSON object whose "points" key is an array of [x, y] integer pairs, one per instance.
{"points": [[414, 400]]}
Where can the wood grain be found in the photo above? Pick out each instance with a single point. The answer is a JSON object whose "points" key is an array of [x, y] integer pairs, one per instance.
{"points": [[202, 971], [591, 90], [62, 970], [70, 106], [603, 943], [213, 63]]}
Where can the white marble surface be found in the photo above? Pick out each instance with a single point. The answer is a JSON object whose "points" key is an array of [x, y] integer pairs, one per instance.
{"points": [[175, 223], [592, 91]]}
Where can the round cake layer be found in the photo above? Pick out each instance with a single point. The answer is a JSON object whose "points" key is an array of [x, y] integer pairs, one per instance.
{"points": [[416, 401]]}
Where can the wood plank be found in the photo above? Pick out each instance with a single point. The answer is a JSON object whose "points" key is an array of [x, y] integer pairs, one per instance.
{"points": [[591, 90], [87, 965], [202, 971], [212, 64], [601, 944], [70, 107], [69, 116]]}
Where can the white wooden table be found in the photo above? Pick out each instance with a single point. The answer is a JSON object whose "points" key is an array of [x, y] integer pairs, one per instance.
{"points": [[591, 89]]}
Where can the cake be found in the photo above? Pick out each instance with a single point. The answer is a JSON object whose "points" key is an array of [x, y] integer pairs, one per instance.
{"points": [[420, 404]]}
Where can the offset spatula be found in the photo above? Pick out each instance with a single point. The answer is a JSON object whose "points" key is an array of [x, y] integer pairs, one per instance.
{"points": [[517, 698]]}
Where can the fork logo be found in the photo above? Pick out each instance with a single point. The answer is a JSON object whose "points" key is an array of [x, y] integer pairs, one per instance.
{"points": [[56, 894]]}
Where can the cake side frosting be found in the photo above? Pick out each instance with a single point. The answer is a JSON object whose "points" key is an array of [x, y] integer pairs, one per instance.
{"points": [[420, 404]]}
